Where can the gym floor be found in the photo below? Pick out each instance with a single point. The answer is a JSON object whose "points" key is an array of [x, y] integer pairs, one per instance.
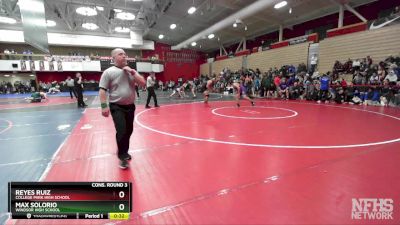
{"points": [[278, 162]]}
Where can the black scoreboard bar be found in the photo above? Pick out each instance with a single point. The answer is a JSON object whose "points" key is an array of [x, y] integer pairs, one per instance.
{"points": [[69, 200]]}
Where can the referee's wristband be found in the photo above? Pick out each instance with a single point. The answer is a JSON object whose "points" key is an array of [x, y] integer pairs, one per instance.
{"points": [[104, 105]]}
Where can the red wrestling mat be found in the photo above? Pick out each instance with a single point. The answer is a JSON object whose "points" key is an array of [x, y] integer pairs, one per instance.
{"points": [[275, 163]]}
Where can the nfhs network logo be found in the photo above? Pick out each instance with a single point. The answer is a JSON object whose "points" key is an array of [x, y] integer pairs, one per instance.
{"points": [[372, 208]]}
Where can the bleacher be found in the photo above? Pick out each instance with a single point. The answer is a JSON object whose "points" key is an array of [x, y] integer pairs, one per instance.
{"points": [[204, 68], [379, 44], [235, 63], [264, 60]]}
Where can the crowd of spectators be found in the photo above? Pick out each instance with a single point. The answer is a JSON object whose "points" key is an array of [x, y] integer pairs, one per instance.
{"points": [[358, 81], [22, 87], [11, 54], [355, 81], [373, 84], [6, 87]]}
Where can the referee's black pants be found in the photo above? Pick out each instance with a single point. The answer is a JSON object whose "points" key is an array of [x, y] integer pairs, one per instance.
{"points": [[79, 96], [123, 116]]}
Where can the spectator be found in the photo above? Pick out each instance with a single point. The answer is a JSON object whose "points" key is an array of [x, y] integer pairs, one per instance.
{"points": [[391, 77], [160, 85], [291, 80], [358, 78], [339, 98], [374, 79], [277, 81], [356, 65], [386, 93], [269, 86], [302, 68], [283, 89], [291, 70], [369, 61], [300, 77], [295, 91], [324, 92], [343, 83], [381, 71], [257, 84], [313, 62], [372, 97], [347, 67]]}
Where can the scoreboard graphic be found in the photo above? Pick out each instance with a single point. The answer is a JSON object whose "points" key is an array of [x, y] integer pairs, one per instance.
{"points": [[70, 200]]}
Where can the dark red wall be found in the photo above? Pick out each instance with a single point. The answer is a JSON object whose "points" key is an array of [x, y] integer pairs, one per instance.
{"points": [[61, 76], [174, 70]]}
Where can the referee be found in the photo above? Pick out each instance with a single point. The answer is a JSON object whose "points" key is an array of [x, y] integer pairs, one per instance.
{"points": [[71, 85], [151, 81]]}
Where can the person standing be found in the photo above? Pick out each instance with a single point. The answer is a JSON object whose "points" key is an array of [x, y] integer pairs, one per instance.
{"points": [[151, 81], [209, 87], [137, 91], [79, 90], [70, 84], [324, 91], [120, 81]]}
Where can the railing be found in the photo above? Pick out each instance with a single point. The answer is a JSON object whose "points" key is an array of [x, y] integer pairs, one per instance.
{"points": [[67, 58], [10, 56]]}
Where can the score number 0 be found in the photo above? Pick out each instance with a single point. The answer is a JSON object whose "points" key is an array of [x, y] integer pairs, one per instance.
{"points": [[121, 194]]}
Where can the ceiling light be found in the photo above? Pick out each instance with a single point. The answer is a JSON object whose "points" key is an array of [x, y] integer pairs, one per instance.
{"points": [[90, 26], [122, 29], [161, 36], [290, 10], [235, 25], [50, 23], [100, 8], [31, 75], [191, 10], [280, 4], [211, 36], [125, 16], [245, 27], [86, 11], [117, 10], [194, 43], [7, 20], [6, 75], [172, 26]]}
